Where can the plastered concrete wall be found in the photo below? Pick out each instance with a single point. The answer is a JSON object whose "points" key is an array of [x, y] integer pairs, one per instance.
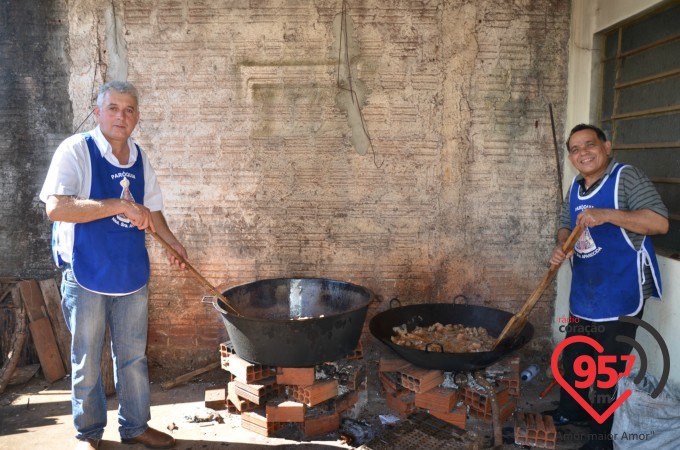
{"points": [[437, 178]]}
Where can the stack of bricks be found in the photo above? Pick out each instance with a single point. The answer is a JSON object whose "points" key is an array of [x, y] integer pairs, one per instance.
{"points": [[506, 372], [478, 399], [313, 399], [408, 389]]}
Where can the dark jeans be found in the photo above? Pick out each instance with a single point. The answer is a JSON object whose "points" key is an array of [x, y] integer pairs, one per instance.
{"points": [[600, 399]]}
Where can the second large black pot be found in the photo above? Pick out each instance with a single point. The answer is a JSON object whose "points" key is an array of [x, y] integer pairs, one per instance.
{"points": [[295, 322], [427, 314]]}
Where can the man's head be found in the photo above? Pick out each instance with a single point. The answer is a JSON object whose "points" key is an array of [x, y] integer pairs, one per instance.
{"points": [[584, 126], [117, 110], [589, 150]]}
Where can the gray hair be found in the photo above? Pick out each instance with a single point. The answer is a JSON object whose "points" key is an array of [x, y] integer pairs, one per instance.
{"points": [[122, 87]]}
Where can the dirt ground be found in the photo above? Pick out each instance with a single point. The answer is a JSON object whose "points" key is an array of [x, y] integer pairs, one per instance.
{"points": [[37, 415]]}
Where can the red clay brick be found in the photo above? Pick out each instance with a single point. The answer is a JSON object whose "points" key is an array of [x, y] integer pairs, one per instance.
{"points": [[287, 411], [506, 372], [316, 393], [346, 401], [249, 372], [418, 379], [216, 398], [402, 403], [477, 398], [391, 363], [226, 350], [505, 412], [236, 402], [257, 393], [389, 381], [457, 416], [255, 421], [352, 376], [535, 430], [321, 423], [296, 376], [438, 399]]}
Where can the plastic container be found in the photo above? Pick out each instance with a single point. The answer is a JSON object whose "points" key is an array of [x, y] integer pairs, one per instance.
{"points": [[530, 372]]}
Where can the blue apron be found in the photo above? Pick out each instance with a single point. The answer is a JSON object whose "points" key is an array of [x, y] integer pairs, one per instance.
{"points": [[109, 254], [608, 271]]}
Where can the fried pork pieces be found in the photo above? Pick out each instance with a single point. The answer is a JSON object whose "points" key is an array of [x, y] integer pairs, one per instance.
{"points": [[454, 338]]}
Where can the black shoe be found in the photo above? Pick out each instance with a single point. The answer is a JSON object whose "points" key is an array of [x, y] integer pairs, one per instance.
{"points": [[594, 445], [560, 419]]}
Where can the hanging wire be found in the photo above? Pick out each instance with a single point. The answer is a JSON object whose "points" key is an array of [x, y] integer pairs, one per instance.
{"points": [[350, 88]]}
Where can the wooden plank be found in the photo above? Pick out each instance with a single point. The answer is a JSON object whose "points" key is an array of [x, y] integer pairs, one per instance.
{"points": [[33, 299], [48, 352], [22, 374], [52, 298], [18, 339]]}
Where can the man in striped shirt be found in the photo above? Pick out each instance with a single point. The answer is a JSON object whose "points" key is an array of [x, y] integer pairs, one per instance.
{"points": [[614, 267]]}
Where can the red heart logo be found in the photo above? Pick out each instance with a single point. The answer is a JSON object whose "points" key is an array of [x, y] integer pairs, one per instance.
{"points": [[599, 418]]}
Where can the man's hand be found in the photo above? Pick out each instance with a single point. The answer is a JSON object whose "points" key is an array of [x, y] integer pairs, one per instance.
{"points": [[179, 248], [593, 217], [558, 256], [139, 215]]}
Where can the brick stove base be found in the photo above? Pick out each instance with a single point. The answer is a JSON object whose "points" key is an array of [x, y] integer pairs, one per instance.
{"points": [[409, 389], [313, 399]]}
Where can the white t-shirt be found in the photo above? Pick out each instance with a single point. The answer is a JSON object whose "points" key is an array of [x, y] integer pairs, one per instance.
{"points": [[70, 173]]}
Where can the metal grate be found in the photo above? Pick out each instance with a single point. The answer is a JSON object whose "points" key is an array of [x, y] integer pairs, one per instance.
{"points": [[640, 103], [420, 431]]}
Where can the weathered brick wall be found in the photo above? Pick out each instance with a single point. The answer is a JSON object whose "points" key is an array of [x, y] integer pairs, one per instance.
{"points": [[35, 113], [266, 169]]}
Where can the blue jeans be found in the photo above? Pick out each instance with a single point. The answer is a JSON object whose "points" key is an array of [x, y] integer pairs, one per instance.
{"points": [[87, 314]]}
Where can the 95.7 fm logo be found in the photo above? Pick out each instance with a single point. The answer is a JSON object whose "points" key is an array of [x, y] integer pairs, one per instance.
{"points": [[599, 371]]}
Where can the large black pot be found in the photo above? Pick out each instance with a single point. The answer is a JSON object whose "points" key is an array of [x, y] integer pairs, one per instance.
{"points": [[295, 322], [423, 315]]}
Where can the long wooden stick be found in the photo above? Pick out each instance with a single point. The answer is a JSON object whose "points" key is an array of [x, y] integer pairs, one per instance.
{"points": [[195, 273], [188, 376], [516, 322], [557, 155]]}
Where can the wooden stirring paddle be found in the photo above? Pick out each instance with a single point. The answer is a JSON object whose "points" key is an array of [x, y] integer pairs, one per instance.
{"points": [[517, 322]]}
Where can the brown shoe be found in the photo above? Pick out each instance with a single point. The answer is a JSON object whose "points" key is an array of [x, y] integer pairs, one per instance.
{"points": [[87, 444], [152, 439]]}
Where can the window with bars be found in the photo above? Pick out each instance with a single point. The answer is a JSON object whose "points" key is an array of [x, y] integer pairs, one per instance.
{"points": [[640, 104]]}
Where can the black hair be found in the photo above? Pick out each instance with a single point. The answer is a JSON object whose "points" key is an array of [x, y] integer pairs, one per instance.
{"points": [[584, 126]]}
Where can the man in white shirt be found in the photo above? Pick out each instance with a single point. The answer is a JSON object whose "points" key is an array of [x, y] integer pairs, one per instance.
{"points": [[101, 193]]}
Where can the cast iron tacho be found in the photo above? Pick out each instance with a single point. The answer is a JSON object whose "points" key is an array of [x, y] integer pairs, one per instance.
{"points": [[295, 322], [425, 314]]}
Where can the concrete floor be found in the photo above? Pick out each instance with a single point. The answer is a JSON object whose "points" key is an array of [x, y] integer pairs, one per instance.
{"points": [[37, 415]]}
